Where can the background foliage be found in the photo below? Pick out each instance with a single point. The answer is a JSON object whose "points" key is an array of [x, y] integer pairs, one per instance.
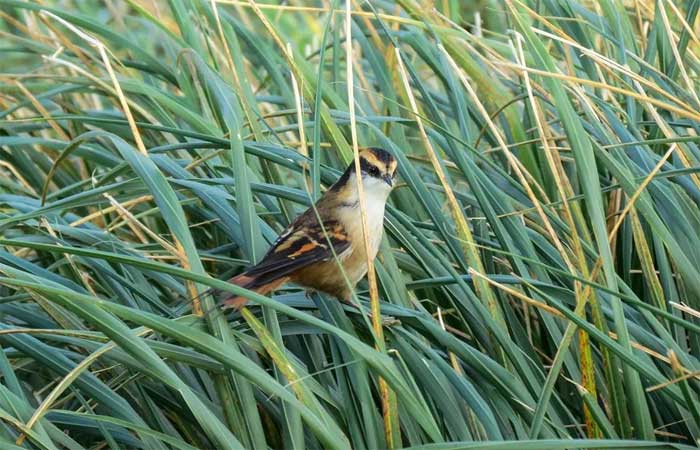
{"points": [[540, 274]]}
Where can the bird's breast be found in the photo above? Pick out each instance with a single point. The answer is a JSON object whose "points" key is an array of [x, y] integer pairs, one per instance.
{"points": [[355, 261]]}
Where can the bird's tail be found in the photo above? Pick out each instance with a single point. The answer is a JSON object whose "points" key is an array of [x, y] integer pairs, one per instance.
{"points": [[252, 283]]}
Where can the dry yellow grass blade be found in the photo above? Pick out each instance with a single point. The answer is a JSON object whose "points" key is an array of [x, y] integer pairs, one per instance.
{"points": [[371, 274], [96, 43], [315, 10], [28, 186], [516, 294], [463, 231], [565, 190], [679, 61], [575, 81], [67, 380], [44, 113]]}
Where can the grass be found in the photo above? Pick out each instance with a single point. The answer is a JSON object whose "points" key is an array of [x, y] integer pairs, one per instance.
{"points": [[541, 259]]}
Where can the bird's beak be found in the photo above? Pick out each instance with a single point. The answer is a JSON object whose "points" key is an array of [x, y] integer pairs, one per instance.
{"points": [[389, 180]]}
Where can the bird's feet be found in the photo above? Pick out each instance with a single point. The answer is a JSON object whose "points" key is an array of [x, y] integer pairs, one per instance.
{"points": [[389, 321]]}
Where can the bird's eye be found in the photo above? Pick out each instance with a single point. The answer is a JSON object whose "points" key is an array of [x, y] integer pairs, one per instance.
{"points": [[374, 171]]}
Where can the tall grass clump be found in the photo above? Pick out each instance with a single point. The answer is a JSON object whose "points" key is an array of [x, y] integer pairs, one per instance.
{"points": [[540, 275]]}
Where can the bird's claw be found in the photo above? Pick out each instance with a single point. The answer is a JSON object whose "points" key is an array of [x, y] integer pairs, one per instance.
{"points": [[388, 321]]}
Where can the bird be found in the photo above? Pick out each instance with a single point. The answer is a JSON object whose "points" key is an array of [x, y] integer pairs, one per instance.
{"points": [[302, 253]]}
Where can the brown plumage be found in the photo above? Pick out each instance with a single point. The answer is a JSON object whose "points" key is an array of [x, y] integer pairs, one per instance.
{"points": [[302, 253]]}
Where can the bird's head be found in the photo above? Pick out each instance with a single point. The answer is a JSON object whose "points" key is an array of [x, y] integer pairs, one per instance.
{"points": [[378, 172], [378, 169]]}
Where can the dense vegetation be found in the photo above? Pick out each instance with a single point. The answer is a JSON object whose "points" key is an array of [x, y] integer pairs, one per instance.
{"points": [[540, 274]]}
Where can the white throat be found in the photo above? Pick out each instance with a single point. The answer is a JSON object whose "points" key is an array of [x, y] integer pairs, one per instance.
{"points": [[376, 192]]}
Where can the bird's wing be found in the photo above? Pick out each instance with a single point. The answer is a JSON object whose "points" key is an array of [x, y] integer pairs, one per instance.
{"points": [[303, 243]]}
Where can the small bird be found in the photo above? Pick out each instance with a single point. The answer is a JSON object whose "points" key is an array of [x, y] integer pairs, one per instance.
{"points": [[301, 254]]}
